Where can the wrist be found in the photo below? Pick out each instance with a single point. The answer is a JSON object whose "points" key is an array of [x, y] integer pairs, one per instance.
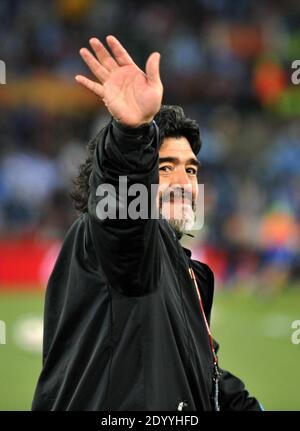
{"points": [[132, 130], [146, 122]]}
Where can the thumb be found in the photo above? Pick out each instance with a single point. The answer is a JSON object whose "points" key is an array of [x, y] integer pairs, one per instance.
{"points": [[152, 68]]}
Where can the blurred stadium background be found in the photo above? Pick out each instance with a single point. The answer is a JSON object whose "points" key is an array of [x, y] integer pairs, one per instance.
{"points": [[228, 63]]}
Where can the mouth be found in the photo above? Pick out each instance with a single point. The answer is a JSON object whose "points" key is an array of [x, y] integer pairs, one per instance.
{"points": [[177, 208], [183, 206], [178, 201]]}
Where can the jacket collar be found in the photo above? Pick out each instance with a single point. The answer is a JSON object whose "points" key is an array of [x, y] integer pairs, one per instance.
{"points": [[179, 236], [187, 252]]}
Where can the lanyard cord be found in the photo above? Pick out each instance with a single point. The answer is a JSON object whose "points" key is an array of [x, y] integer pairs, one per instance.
{"points": [[216, 368]]}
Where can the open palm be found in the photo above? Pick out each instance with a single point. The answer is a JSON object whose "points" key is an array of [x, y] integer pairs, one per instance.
{"points": [[131, 96]]}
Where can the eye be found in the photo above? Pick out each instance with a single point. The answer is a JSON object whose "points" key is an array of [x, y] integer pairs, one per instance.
{"points": [[191, 171], [165, 168]]}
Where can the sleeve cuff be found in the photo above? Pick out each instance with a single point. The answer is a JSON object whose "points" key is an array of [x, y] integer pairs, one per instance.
{"points": [[133, 138], [131, 131]]}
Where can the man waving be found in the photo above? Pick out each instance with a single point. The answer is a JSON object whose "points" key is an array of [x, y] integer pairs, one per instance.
{"points": [[127, 309]]}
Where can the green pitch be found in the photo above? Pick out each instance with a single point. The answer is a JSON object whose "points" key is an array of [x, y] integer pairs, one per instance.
{"points": [[254, 333]]}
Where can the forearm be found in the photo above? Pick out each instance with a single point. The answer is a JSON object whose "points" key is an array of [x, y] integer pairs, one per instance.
{"points": [[122, 241], [234, 396]]}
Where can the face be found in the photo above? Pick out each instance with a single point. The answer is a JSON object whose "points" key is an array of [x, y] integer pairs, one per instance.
{"points": [[178, 185]]}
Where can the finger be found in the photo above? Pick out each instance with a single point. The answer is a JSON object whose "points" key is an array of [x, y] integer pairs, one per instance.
{"points": [[103, 55], [152, 68], [98, 70], [120, 53], [95, 87]]}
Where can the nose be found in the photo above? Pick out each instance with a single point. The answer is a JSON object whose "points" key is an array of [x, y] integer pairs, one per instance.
{"points": [[180, 177]]}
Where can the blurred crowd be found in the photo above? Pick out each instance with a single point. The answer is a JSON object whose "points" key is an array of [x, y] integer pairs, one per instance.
{"points": [[227, 62]]}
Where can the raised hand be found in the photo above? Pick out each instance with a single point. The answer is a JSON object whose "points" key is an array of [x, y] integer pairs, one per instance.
{"points": [[131, 96]]}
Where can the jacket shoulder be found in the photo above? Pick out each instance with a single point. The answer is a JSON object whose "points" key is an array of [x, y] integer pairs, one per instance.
{"points": [[77, 246]]}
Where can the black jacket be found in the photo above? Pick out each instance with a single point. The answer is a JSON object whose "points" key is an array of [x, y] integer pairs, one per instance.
{"points": [[123, 329]]}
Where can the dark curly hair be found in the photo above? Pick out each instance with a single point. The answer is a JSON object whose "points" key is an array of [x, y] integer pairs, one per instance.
{"points": [[172, 123]]}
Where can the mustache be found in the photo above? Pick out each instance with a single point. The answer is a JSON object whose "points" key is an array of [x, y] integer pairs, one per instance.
{"points": [[179, 193]]}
